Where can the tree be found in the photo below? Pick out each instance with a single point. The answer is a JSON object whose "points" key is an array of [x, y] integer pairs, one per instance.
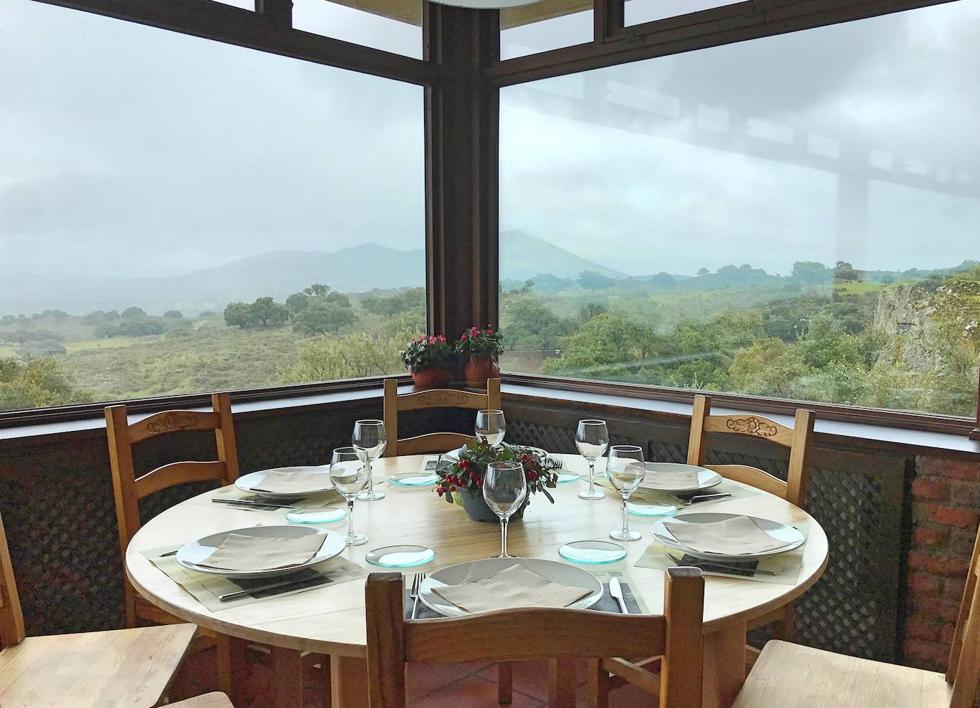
{"points": [[844, 273], [317, 290], [36, 383], [174, 314], [265, 312], [322, 316], [703, 272], [609, 346], [811, 273], [296, 303], [131, 313], [351, 356], [590, 280], [238, 314], [530, 324]]}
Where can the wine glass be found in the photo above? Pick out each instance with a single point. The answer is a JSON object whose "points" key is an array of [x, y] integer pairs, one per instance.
{"points": [[349, 475], [625, 471], [504, 490], [369, 439], [591, 439], [491, 426]]}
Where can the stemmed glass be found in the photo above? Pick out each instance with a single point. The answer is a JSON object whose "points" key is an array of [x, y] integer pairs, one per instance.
{"points": [[349, 475], [369, 439], [625, 470], [591, 439], [491, 426], [504, 490]]}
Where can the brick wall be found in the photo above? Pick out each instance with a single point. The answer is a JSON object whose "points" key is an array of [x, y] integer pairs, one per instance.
{"points": [[945, 513]]}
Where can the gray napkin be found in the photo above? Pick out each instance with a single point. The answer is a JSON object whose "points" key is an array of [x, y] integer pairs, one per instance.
{"points": [[515, 586], [241, 552]]}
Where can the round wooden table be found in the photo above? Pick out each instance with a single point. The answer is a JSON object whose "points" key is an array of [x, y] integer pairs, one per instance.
{"points": [[330, 620]]}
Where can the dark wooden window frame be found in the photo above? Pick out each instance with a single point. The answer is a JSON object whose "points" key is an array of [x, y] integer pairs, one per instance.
{"points": [[462, 74]]}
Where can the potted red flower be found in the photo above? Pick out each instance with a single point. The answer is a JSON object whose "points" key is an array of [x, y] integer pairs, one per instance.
{"points": [[428, 360], [480, 348], [462, 481]]}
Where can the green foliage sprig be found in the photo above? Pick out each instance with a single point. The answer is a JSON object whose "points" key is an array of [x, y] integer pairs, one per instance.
{"points": [[480, 342], [423, 353], [469, 470]]}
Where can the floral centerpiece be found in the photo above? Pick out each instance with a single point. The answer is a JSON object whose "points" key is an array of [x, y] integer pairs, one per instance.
{"points": [[480, 347], [463, 480], [428, 359]]}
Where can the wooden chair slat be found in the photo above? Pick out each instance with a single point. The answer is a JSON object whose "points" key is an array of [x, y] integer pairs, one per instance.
{"points": [[175, 473], [752, 476], [442, 398], [172, 422], [557, 633], [752, 425], [432, 442]]}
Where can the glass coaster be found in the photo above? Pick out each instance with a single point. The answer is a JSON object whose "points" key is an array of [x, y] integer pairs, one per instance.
{"points": [[316, 516], [594, 552], [400, 556], [567, 477], [418, 480], [651, 509]]}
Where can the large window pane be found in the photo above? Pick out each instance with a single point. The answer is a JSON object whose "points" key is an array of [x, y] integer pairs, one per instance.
{"points": [[150, 180], [797, 216]]}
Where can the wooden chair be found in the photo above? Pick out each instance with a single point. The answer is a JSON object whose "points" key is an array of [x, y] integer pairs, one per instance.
{"points": [[524, 634], [129, 668], [434, 398], [791, 676], [129, 489], [797, 439], [793, 490]]}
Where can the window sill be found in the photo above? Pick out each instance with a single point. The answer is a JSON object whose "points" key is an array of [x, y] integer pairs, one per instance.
{"points": [[830, 432]]}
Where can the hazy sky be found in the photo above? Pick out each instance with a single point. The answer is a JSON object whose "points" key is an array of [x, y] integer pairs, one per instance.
{"points": [[131, 150]]}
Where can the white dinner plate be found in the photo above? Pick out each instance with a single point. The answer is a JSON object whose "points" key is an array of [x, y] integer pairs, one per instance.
{"points": [[706, 478], [476, 570], [793, 538], [193, 552], [319, 482]]}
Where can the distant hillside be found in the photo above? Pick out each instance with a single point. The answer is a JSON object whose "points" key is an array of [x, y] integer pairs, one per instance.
{"points": [[277, 273]]}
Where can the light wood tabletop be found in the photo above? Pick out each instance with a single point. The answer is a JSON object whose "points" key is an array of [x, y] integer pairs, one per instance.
{"points": [[330, 620]]}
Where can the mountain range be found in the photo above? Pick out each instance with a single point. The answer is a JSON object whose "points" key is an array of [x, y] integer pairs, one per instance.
{"points": [[276, 273]]}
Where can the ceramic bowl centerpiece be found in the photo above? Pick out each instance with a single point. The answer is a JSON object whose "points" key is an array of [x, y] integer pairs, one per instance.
{"points": [[479, 349], [428, 359], [462, 481]]}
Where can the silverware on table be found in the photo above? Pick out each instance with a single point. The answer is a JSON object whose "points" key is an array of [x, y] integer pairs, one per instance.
{"points": [[616, 590], [283, 585], [250, 503], [723, 566], [699, 498], [416, 590], [168, 553]]}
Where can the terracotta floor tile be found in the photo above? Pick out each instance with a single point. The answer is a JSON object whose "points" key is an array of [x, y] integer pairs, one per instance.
{"points": [[423, 679], [472, 692], [531, 677]]}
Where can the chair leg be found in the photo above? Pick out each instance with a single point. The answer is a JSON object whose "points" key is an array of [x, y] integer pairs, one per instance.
{"points": [[561, 683], [598, 685], [505, 682], [223, 661], [287, 678]]}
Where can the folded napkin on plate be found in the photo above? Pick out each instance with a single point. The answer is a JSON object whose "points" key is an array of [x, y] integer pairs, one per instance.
{"points": [[292, 482], [241, 552], [670, 479], [512, 587], [735, 536]]}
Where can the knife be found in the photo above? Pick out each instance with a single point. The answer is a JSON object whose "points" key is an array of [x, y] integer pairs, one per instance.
{"points": [[616, 590], [250, 503]]}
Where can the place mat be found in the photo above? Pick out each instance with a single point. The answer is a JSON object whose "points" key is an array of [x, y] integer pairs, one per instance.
{"points": [[242, 552], [660, 498], [607, 603], [781, 569], [206, 588], [515, 586], [260, 503]]}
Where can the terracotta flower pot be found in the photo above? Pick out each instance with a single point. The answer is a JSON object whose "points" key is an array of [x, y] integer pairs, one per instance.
{"points": [[480, 368], [431, 378], [477, 509]]}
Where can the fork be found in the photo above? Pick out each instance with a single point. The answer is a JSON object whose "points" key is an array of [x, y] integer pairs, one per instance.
{"points": [[699, 498], [414, 594]]}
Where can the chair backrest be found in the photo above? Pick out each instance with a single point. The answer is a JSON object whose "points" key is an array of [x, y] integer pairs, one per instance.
{"points": [[128, 489], [11, 617], [797, 439], [521, 634], [963, 670], [433, 398]]}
